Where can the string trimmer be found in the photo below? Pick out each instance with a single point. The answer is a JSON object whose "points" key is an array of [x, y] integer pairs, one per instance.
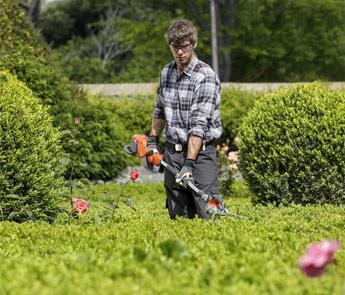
{"points": [[154, 162]]}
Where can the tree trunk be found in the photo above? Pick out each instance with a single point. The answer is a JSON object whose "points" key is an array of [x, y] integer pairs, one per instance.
{"points": [[226, 20], [193, 9], [214, 36], [35, 12]]}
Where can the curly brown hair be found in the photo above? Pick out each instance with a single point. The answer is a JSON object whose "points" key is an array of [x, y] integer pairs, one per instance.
{"points": [[181, 30]]}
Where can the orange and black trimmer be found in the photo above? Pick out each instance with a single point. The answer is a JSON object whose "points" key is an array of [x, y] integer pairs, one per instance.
{"points": [[154, 162]]}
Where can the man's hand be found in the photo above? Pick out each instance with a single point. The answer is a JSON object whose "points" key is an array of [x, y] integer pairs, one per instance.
{"points": [[186, 172], [152, 142]]}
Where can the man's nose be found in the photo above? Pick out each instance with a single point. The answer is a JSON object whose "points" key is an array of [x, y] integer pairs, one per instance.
{"points": [[180, 51]]}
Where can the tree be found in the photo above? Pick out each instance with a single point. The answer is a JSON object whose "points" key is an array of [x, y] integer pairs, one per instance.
{"points": [[259, 40]]}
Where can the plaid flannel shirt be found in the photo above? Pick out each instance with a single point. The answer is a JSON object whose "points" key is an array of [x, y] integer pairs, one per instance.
{"points": [[189, 102]]}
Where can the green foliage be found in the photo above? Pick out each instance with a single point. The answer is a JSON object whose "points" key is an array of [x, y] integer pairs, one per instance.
{"points": [[135, 113], [64, 20], [134, 33], [292, 146], [79, 66], [273, 42], [148, 56], [30, 155], [95, 147], [25, 55], [132, 253], [235, 105], [276, 40]]}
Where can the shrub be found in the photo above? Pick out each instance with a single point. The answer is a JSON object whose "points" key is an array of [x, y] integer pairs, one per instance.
{"points": [[142, 252], [235, 105], [24, 54], [30, 155], [293, 146], [135, 113], [95, 147]]}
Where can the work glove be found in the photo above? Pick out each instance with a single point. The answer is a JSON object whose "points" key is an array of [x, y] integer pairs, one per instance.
{"points": [[153, 157], [152, 142], [185, 174]]}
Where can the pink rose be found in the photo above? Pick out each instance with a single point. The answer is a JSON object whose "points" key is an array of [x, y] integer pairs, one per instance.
{"points": [[317, 256], [134, 175], [79, 205]]}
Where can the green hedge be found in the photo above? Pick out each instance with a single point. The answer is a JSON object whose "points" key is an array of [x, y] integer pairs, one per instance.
{"points": [[235, 104], [24, 53], [293, 146], [143, 252], [30, 155], [135, 113], [96, 145]]}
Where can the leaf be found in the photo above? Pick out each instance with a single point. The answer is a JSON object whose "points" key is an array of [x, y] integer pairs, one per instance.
{"points": [[12, 214], [13, 196], [2, 213], [29, 213], [82, 165], [112, 206], [85, 181], [65, 161], [64, 210], [73, 141], [65, 132], [98, 219], [130, 203], [174, 248]]}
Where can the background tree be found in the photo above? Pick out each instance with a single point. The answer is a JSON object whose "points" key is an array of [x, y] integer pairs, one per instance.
{"points": [[259, 40]]}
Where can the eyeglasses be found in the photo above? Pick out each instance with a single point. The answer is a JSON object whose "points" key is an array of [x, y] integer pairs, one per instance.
{"points": [[184, 48]]}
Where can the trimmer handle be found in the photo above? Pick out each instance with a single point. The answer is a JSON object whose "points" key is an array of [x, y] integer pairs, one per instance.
{"points": [[169, 168]]}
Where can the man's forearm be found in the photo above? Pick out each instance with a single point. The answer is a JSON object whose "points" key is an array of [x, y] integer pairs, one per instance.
{"points": [[157, 126], [194, 145]]}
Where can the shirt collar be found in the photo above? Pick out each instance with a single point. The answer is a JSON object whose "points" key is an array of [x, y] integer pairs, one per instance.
{"points": [[188, 71]]}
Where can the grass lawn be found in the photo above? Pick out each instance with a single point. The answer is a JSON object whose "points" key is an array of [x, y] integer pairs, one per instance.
{"points": [[143, 252]]}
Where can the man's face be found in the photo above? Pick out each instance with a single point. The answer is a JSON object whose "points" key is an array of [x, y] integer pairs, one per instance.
{"points": [[182, 52]]}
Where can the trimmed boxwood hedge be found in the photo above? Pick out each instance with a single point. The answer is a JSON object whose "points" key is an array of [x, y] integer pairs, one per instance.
{"points": [[24, 53], [30, 155], [293, 146]]}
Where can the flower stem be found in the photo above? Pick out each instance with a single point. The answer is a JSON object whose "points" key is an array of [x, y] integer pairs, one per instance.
{"points": [[118, 198]]}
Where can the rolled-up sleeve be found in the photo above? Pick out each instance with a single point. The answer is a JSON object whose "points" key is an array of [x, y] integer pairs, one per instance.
{"points": [[203, 105], [159, 105]]}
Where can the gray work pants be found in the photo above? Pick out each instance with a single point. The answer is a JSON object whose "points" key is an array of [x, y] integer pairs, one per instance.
{"points": [[183, 202]]}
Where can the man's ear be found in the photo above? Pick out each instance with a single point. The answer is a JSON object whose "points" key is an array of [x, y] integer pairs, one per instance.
{"points": [[196, 43]]}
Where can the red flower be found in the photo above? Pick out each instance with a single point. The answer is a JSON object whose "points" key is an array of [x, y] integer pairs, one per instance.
{"points": [[77, 121], [79, 205], [317, 256], [134, 175]]}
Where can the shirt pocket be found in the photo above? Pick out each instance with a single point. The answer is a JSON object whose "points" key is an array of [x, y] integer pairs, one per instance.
{"points": [[185, 99], [170, 106]]}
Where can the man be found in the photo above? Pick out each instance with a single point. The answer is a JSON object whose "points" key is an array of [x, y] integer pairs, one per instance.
{"points": [[188, 107]]}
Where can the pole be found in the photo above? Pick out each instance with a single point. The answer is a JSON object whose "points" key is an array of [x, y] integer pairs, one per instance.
{"points": [[214, 37]]}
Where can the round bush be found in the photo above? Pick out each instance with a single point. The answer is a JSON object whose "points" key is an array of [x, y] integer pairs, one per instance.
{"points": [[293, 146], [25, 55], [30, 155]]}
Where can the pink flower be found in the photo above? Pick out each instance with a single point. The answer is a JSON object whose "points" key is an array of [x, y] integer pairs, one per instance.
{"points": [[77, 121], [234, 157], [79, 205], [134, 175], [317, 256]]}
